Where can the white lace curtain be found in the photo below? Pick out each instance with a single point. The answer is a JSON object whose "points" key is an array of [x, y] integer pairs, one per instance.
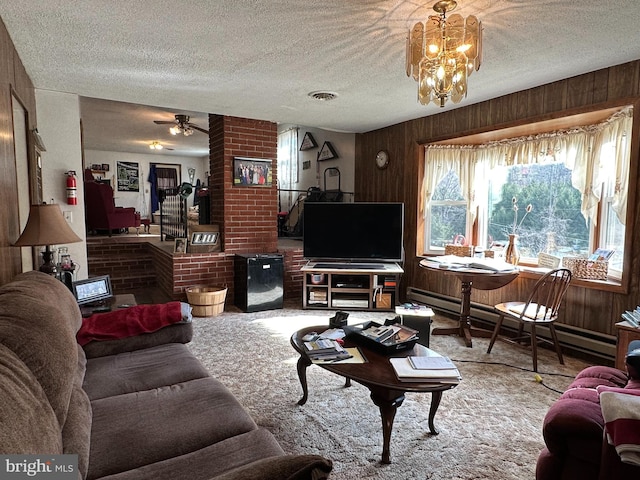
{"points": [[592, 152], [287, 166]]}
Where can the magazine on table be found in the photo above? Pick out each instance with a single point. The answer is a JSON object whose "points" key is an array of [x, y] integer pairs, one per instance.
{"points": [[406, 373]]}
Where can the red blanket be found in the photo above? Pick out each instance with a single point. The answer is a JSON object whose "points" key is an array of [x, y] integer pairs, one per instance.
{"points": [[128, 322]]}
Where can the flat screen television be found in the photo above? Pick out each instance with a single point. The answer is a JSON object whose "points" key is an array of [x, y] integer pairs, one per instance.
{"points": [[360, 231]]}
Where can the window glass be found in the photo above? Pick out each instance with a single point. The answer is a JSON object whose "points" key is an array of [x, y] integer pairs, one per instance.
{"points": [[448, 218], [538, 203]]}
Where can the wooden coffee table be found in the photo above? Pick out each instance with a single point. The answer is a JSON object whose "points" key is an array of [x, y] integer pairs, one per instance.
{"points": [[377, 374]]}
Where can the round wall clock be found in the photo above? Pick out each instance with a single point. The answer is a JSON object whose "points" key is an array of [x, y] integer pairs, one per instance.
{"points": [[382, 159]]}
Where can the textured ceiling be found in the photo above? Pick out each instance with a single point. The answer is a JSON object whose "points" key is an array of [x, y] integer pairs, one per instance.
{"points": [[260, 58]]}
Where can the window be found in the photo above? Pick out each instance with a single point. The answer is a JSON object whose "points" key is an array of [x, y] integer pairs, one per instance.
{"points": [[563, 192], [287, 167], [539, 204], [448, 213]]}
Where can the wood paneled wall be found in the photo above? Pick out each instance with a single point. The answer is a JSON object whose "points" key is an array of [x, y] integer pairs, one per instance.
{"points": [[591, 309], [14, 81]]}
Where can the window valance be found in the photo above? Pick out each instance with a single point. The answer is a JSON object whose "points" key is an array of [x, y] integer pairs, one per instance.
{"points": [[594, 153]]}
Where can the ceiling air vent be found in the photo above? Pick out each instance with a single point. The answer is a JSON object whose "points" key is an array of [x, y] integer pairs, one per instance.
{"points": [[323, 96]]}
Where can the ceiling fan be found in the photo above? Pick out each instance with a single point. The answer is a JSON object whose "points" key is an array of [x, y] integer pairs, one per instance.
{"points": [[181, 125]]}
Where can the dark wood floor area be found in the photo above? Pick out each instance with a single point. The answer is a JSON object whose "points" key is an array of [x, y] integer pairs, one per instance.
{"points": [[150, 295]]}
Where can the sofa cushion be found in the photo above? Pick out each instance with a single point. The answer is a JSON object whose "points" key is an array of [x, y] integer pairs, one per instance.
{"points": [[76, 431], [22, 400], [141, 370], [287, 467], [39, 318], [157, 424], [210, 461], [176, 333]]}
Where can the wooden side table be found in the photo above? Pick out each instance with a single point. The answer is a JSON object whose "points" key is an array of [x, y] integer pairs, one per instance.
{"points": [[626, 333]]}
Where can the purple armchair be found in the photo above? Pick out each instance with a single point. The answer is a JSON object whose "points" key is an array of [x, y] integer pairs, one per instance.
{"points": [[574, 431], [101, 212]]}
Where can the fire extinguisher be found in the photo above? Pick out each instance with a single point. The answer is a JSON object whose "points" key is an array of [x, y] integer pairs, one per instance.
{"points": [[72, 189]]}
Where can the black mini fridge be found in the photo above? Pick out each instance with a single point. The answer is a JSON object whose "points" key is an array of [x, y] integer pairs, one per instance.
{"points": [[258, 281]]}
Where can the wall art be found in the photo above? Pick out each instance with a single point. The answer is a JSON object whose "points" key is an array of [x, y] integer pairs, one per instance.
{"points": [[252, 172]]}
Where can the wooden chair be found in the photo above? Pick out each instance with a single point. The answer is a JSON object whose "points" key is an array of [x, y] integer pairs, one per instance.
{"points": [[540, 309]]}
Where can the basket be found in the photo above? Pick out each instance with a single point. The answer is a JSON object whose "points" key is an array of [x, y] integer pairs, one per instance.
{"points": [[585, 268], [206, 301], [458, 250]]}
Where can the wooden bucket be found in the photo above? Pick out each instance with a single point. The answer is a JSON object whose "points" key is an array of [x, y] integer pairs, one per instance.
{"points": [[206, 301]]}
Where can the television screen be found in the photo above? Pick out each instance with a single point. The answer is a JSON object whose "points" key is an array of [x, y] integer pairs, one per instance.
{"points": [[360, 231]]}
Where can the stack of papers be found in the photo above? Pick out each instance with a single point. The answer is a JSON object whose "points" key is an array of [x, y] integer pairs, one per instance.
{"points": [[431, 368], [325, 349], [490, 264]]}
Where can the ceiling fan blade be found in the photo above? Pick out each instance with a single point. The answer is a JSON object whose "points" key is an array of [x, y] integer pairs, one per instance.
{"points": [[165, 122], [195, 127]]}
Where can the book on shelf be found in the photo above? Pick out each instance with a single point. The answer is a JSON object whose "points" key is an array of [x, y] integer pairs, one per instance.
{"points": [[318, 295], [406, 373]]}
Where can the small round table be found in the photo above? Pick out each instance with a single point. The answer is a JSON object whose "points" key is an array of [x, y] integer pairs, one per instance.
{"points": [[470, 278]]}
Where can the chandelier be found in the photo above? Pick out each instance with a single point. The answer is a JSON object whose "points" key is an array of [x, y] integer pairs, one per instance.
{"points": [[155, 146], [442, 53]]}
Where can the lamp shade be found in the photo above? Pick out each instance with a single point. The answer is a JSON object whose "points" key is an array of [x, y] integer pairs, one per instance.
{"points": [[46, 226]]}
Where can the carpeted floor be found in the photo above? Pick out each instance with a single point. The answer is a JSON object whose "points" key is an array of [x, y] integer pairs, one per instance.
{"points": [[490, 425]]}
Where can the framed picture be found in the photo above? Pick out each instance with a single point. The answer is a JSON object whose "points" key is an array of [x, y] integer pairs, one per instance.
{"points": [[105, 167], [306, 164], [252, 172], [327, 152], [308, 142], [128, 177], [180, 245]]}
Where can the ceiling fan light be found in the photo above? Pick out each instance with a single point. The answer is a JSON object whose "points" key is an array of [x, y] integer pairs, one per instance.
{"points": [[174, 130]]}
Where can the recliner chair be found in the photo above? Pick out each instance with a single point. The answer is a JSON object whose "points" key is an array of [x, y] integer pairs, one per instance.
{"points": [[101, 212]]}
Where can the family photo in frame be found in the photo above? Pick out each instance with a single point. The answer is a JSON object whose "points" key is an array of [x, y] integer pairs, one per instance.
{"points": [[252, 172]]}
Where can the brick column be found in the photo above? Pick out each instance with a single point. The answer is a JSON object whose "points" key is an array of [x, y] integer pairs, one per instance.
{"points": [[247, 215]]}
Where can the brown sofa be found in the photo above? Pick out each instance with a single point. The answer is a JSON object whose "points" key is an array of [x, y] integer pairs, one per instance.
{"points": [[138, 408]]}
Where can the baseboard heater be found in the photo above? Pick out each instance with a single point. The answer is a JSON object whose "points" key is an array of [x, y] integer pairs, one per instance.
{"points": [[572, 338]]}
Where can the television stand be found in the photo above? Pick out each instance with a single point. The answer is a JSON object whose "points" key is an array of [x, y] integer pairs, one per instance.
{"points": [[351, 286]]}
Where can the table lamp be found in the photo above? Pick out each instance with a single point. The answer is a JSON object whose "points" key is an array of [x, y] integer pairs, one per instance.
{"points": [[45, 227]]}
